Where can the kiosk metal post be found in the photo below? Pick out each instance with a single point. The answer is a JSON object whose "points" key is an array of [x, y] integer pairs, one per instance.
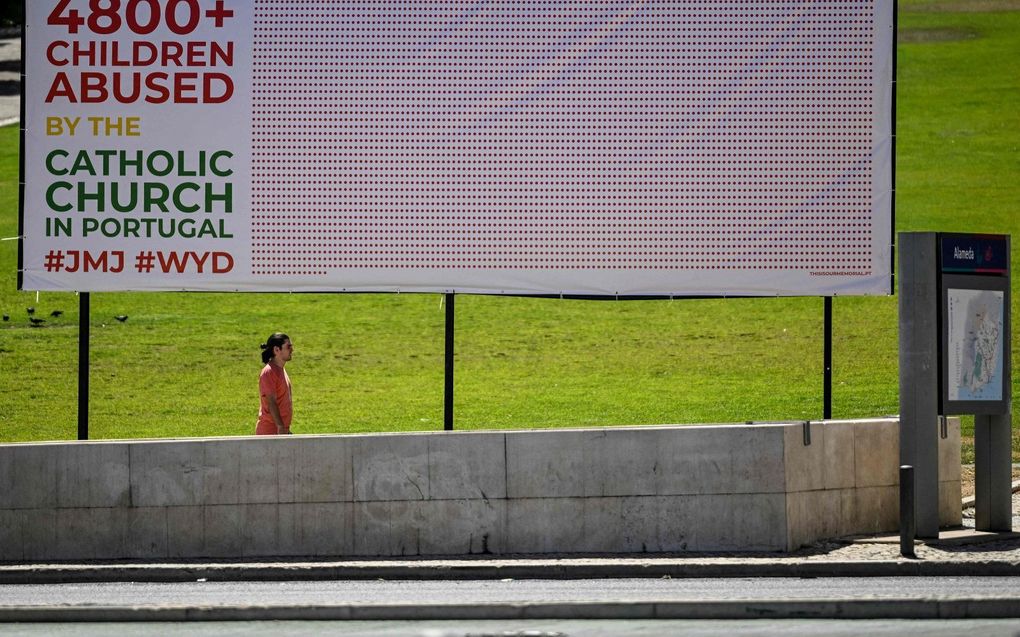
{"points": [[918, 324]]}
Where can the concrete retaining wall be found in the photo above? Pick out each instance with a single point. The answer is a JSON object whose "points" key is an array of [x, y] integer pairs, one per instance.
{"points": [[655, 489]]}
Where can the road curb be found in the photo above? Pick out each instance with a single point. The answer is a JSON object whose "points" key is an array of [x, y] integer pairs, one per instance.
{"points": [[964, 608], [160, 573]]}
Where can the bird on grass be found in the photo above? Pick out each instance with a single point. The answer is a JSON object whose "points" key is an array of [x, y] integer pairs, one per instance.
{"points": [[56, 313], [30, 310], [36, 322], [7, 317], [121, 317]]}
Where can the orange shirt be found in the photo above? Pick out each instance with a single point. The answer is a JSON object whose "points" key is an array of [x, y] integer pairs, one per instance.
{"points": [[274, 382]]}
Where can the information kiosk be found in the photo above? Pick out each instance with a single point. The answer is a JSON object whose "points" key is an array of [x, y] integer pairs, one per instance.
{"points": [[954, 320]]}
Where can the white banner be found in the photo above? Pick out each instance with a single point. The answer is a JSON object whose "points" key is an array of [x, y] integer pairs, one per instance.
{"points": [[692, 147]]}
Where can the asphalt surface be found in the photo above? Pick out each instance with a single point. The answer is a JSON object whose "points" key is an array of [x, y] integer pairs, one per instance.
{"points": [[537, 628]]}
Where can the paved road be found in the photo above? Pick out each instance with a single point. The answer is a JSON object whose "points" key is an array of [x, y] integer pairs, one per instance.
{"points": [[514, 591], [535, 628]]}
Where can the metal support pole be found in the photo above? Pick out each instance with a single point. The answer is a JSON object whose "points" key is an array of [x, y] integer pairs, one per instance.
{"points": [[83, 366], [448, 394], [827, 362], [919, 379], [908, 526], [993, 473]]}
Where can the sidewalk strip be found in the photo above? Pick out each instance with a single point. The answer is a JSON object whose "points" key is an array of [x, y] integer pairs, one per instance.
{"points": [[906, 608]]}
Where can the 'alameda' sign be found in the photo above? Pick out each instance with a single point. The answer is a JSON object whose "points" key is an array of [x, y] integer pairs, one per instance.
{"points": [[708, 147]]}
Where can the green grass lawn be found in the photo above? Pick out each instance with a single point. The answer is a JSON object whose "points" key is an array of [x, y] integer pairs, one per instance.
{"points": [[186, 364]]}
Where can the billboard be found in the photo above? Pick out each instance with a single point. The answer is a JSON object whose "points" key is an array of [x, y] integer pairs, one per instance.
{"points": [[688, 147]]}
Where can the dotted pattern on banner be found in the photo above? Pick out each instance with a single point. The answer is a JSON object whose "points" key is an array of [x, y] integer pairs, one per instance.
{"points": [[541, 134]]}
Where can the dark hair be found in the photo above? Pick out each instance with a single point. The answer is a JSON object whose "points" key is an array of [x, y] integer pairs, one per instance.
{"points": [[275, 340]]}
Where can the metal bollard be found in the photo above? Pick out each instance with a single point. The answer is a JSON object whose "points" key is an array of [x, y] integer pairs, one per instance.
{"points": [[908, 524]]}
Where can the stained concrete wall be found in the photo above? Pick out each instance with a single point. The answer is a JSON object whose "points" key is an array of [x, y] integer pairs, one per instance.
{"points": [[655, 489], [847, 481]]}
